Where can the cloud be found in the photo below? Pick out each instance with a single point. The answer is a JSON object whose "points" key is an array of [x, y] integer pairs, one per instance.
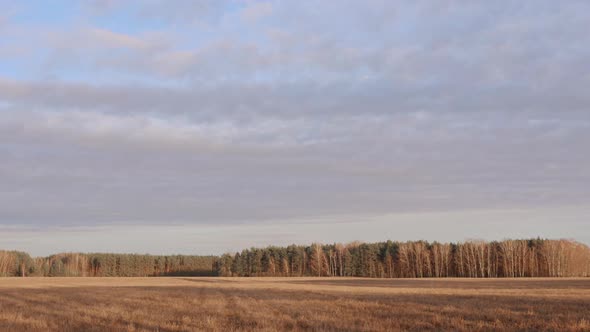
{"points": [[185, 10], [189, 169], [255, 11], [223, 113], [108, 39]]}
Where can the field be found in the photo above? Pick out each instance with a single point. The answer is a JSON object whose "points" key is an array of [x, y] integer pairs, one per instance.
{"points": [[277, 304]]}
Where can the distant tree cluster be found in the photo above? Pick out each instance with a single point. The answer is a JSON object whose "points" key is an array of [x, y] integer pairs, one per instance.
{"points": [[13, 263], [419, 259]]}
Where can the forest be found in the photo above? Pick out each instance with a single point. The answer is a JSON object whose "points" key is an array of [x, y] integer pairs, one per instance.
{"points": [[413, 259], [15, 263]]}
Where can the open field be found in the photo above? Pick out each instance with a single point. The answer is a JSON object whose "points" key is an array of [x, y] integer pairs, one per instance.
{"points": [[276, 304]]}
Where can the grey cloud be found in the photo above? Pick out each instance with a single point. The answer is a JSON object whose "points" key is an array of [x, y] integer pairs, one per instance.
{"points": [[177, 11], [247, 101], [358, 165]]}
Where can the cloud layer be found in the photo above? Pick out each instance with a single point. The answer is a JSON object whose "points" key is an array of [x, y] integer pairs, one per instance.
{"points": [[223, 113]]}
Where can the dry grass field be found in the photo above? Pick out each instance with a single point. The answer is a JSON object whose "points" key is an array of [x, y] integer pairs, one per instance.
{"points": [[278, 304]]}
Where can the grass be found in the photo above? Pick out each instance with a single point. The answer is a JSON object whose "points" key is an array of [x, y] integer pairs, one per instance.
{"points": [[277, 304]]}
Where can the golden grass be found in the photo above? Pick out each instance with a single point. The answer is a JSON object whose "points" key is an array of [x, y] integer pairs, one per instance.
{"points": [[277, 304]]}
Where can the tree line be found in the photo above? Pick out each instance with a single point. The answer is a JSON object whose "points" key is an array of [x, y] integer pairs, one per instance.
{"points": [[415, 259], [14, 263]]}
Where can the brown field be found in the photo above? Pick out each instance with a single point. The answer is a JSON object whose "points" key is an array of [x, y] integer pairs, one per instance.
{"points": [[278, 304]]}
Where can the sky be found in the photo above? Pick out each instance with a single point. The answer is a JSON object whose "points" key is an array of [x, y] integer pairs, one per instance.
{"points": [[208, 126]]}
